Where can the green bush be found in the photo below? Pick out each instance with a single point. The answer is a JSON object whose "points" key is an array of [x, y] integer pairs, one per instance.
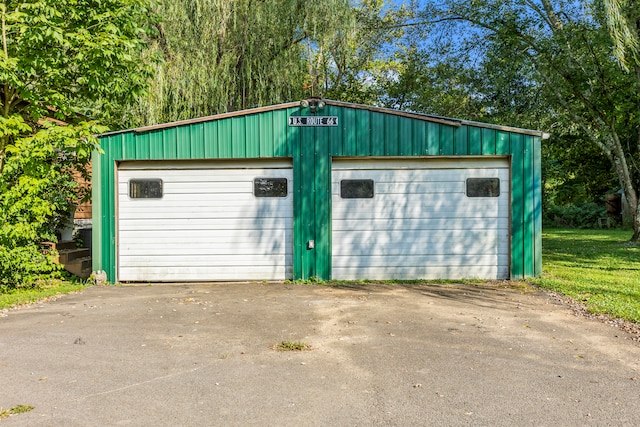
{"points": [[38, 190], [583, 215], [25, 266], [63, 62]]}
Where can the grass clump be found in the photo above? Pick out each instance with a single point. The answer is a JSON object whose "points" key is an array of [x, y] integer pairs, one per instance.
{"points": [[596, 267], [292, 346], [20, 409]]}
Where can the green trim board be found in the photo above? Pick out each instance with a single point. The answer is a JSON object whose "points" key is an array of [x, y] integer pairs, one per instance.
{"points": [[361, 132]]}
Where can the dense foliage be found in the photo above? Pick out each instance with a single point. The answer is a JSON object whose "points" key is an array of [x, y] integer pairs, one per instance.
{"points": [[569, 68], [581, 215], [219, 56], [62, 64]]}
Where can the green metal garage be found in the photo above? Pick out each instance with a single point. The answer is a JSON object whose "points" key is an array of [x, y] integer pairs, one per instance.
{"points": [[317, 189]]}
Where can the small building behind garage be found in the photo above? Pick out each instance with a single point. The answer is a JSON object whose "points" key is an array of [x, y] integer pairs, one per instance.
{"points": [[317, 189]]}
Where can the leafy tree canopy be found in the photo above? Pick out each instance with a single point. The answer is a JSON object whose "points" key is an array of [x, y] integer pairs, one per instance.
{"points": [[220, 55], [569, 66], [71, 58]]}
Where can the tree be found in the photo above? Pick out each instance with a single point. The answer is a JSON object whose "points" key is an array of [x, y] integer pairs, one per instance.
{"points": [[623, 21], [426, 83], [485, 82], [62, 62], [219, 56], [350, 62], [569, 47]]}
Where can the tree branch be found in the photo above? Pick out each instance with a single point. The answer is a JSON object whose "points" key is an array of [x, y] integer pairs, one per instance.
{"points": [[554, 21]]}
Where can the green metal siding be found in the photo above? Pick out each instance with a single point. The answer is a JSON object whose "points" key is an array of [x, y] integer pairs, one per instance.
{"points": [[322, 208], [362, 132], [461, 141], [529, 247], [312, 201], [377, 135], [536, 195], [517, 206], [419, 136], [474, 141], [98, 238]]}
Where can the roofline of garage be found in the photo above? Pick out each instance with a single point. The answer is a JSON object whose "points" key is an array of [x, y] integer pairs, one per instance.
{"points": [[426, 117]]}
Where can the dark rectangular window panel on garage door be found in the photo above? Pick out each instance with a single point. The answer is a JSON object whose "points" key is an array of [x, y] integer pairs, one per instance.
{"points": [[483, 187], [145, 188], [356, 188], [270, 187]]}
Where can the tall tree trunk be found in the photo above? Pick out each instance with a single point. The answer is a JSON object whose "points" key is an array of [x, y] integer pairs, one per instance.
{"points": [[636, 224]]}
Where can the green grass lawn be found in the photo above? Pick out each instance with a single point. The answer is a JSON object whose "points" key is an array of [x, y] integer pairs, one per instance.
{"points": [[597, 267], [28, 295]]}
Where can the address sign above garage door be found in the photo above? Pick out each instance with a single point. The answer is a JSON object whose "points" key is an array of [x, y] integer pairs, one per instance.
{"points": [[313, 121]]}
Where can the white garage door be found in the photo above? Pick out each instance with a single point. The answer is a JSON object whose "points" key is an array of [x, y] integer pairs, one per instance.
{"points": [[184, 222], [420, 220]]}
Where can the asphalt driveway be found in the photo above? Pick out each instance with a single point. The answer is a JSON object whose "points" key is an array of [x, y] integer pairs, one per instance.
{"points": [[202, 354]]}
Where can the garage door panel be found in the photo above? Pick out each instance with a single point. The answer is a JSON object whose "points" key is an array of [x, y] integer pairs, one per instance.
{"points": [[411, 235], [229, 248], [208, 225], [243, 250], [204, 260], [245, 211], [416, 188], [187, 188], [422, 272], [210, 199], [426, 201], [153, 274], [420, 223], [395, 176], [204, 174], [195, 230], [415, 243], [170, 225], [394, 212], [204, 198], [398, 249], [411, 261], [249, 243]]}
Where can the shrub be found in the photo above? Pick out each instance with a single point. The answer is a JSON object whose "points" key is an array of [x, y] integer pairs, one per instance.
{"points": [[583, 215], [25, 266], [37, 192]]}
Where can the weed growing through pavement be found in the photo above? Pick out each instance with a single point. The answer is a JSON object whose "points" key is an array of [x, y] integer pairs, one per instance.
{"points": [[292, 346], [20, 409]]}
